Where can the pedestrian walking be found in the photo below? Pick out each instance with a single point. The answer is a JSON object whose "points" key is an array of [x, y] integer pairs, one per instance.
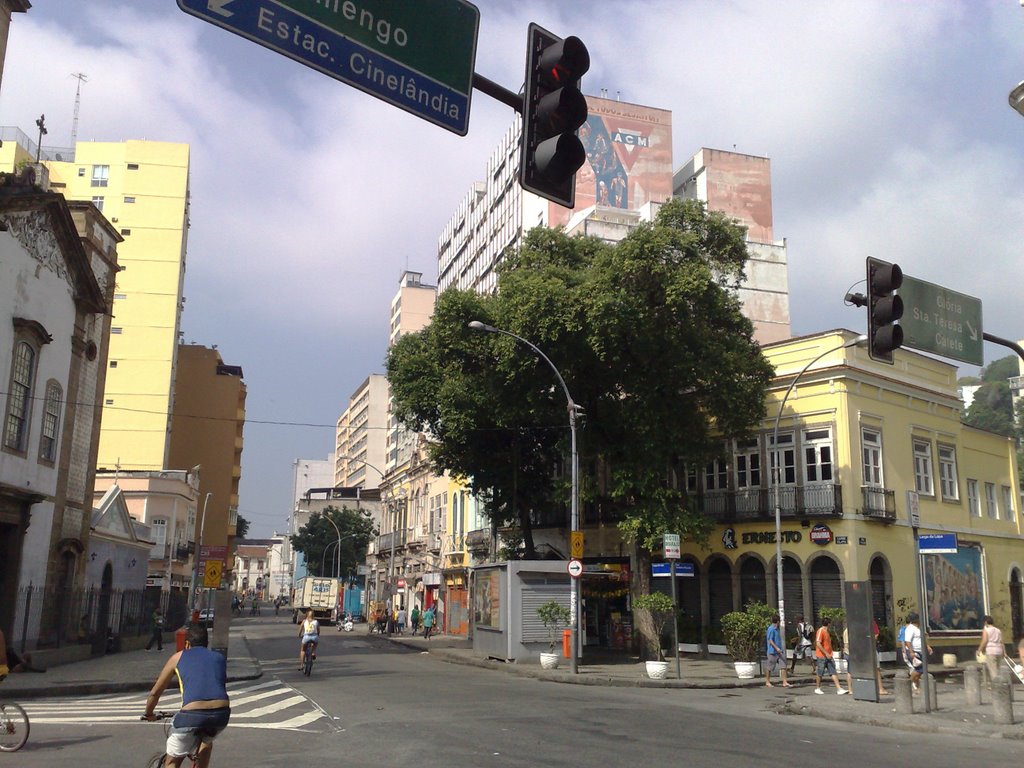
{"points": [[878, 660], [824, 664], [776, 653], [428, 622], [401, 620], [157, 631], [991, 646], [414, 617], [913, 645], [804, 642]]}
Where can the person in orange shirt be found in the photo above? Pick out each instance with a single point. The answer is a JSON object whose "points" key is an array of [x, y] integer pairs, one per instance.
{"points": [[824, 664]]}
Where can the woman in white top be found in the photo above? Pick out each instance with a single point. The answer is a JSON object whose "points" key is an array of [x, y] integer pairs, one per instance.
{"points": [[310, 633], [992, 646]]}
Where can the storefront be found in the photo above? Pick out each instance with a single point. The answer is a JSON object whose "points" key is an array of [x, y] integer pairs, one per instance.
{"points": [[604, 588]]}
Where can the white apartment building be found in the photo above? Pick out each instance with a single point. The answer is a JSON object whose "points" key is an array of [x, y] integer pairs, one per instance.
{"points": [[628, 174], [362, 435]]}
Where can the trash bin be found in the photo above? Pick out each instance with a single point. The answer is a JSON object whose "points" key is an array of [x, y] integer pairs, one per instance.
{"points": [[179, 639], [567, 643]]}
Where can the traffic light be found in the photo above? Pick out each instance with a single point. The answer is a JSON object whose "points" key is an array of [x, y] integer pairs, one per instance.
{"points": [[884, 309], [553, 108]]}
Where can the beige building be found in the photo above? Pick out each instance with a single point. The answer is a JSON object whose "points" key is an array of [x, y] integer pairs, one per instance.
{"points": [[167, 502], [206, 432]]}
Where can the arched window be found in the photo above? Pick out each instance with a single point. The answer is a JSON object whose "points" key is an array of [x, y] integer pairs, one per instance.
{"points": [[51, 422], [19, 397]]}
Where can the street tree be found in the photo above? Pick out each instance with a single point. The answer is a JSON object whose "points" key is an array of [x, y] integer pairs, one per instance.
{"points": [[650, 338], [241, 527], [317, 540]]}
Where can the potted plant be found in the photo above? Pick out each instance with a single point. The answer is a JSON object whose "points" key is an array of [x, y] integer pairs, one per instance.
{"points": [[553, 616], [744, 633], [661, 609]]}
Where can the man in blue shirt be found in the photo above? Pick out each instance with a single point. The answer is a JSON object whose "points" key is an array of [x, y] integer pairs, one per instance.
{"points": [[776, 653], [202, 677]]}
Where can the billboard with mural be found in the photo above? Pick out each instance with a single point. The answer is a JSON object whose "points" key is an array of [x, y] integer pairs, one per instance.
{"points": [[629, 158], [953, 583]]}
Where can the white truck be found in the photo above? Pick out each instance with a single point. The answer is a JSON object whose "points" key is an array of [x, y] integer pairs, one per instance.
{"points": [[319, 594]]}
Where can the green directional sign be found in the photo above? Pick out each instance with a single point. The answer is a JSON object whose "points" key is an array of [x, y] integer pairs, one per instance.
{"points": [[941, 321], [416, 54]]}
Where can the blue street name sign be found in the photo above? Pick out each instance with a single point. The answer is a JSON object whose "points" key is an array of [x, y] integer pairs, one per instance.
{"points": [[418, 56], [665, 569], [937, 544]]}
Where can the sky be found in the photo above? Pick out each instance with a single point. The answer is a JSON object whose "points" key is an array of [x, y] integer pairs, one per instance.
{"points": [[886, 123]]}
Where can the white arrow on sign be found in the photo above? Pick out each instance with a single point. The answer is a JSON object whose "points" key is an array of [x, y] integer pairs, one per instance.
{"points": [[973, 331], [217, 6]]}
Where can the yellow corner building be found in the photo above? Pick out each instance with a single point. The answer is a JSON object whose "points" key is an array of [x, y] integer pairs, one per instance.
{"points": [[861, 444]]}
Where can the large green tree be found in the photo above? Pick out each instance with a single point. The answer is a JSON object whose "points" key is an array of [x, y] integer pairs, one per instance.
{"points": [[317, 540], [992, 407], [651, 340]]}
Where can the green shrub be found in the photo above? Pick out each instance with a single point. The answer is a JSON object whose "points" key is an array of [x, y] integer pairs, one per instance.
{"points": [[744, 631], [553, 616], [661, 608]]}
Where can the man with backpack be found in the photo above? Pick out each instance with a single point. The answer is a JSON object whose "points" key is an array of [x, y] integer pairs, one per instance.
{"points": [[804, 642]]}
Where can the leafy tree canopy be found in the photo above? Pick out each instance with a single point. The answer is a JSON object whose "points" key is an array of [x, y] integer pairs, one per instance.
{"points": [[992, 407], [241, 527], [317, 540], [650, 338]]}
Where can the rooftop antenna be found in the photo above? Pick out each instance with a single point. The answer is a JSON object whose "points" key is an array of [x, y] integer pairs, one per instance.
{"points": [[82, 78], [41, 125]]}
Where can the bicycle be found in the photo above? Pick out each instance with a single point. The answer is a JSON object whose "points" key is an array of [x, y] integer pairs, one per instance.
{"points": [[160, 758], [14, 727], [307, 658]]}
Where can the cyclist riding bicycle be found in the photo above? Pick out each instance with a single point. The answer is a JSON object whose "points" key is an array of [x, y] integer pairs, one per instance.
{"points": [[202, 677], [310, 633]]}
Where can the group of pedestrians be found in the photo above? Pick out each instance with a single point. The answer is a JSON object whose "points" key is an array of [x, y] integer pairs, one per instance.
{"points": [[810, 640], [395, 621], [911, 646]]}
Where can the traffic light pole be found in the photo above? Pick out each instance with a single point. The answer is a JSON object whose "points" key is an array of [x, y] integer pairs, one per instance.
{"points": [[495, 91]]}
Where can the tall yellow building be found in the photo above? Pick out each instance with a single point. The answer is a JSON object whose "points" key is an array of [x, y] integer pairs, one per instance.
{"points": [[142, 187]]}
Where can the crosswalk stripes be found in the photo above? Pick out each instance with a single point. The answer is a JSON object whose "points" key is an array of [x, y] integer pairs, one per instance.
{"points": [[268, 705]]}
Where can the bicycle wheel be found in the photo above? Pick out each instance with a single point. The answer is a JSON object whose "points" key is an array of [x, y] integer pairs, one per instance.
{"points": [[157, 760], [13, 727]]}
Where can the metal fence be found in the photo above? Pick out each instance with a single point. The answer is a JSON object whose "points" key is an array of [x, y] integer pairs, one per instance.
{"points": [[54, 618]]}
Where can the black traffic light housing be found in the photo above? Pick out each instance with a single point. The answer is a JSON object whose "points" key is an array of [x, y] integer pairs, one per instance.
{"points": [[884, 309], [553, 109]]}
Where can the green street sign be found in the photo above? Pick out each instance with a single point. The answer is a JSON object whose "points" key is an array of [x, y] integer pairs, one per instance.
{"points": [[415, 54], [941, 321]]}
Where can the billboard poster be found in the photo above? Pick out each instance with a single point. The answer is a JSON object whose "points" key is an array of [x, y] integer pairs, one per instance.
{"points": [[954, 588], [487, 599], [629, 158]]}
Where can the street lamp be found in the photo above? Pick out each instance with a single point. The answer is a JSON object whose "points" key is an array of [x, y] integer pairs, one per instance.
{"points": [[774, 476], [574, 595], [1017, 98], [323, 556]]}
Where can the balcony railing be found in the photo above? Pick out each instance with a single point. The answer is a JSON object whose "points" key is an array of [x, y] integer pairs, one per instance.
{"points": [[878, 502], [795, 501], [395, 539]]}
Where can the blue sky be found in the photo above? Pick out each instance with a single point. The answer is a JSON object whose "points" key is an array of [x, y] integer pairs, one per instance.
{"points": [[886, 123]]}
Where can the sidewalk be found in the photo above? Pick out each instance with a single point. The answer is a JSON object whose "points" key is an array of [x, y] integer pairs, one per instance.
{"points": [[119, 673], [136, 670], [950, 714]]}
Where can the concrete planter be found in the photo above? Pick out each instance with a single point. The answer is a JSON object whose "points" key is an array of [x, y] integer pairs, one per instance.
{"points": [[657, 670], [746, 670], [549, 660]]}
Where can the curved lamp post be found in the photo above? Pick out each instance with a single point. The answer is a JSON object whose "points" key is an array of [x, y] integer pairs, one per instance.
{"points": [[776, 472], [574, 599]]}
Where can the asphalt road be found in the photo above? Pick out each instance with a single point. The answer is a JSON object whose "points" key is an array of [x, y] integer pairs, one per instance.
{"points": [[380, 705]]}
